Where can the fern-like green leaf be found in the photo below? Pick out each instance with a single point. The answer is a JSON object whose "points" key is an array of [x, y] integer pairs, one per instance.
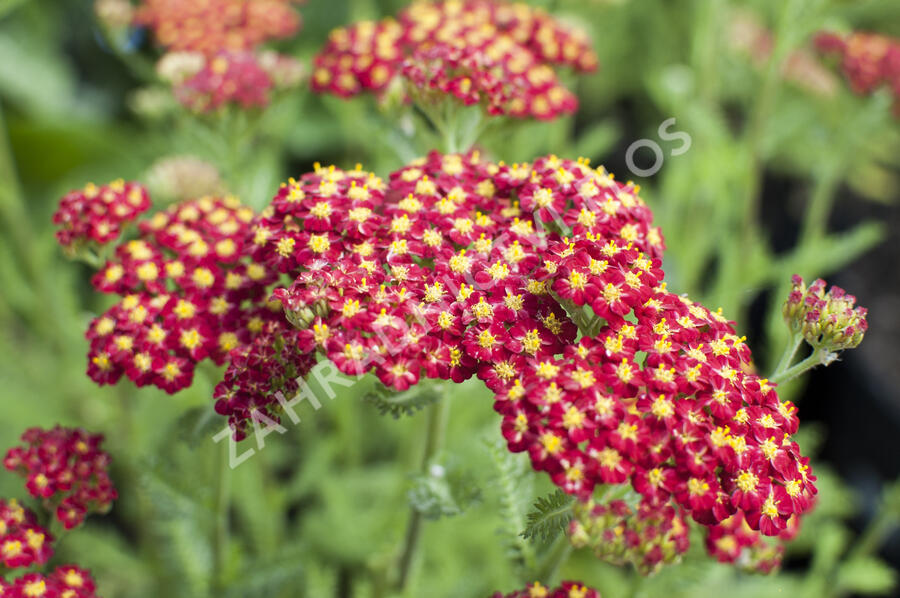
{"points": [[513, 484], [403, 403], [550, 516]]}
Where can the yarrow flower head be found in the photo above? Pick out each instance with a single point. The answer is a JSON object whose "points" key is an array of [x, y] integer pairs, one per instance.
{"points": [[454, 266], [499, 54], [186, 296], [65, 468], [23, 542], [226, 77], [869, 61], [94, 216], [429, 273], [66, 581], [827, 320], [568, 589], [213, 46]]}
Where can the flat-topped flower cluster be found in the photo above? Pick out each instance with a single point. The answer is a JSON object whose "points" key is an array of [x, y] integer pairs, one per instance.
{"points": [[544, 280]]}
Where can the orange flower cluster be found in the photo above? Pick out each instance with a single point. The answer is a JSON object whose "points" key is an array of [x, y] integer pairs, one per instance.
{"points": [[209, 26]]}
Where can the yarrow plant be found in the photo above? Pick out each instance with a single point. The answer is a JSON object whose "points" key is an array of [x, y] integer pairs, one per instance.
{"points": [[498, 54], [543, 280], [67, 472]]}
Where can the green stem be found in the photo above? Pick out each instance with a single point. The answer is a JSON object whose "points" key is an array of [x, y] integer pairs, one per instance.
{"points": [[875, 533], [817, 357], [17, 220], [637, 585], [434, 439], [221, 508], [790, 350], [556, 556], [761, 112], [815, 220]]}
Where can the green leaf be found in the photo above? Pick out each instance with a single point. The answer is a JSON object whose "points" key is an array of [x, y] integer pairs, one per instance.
{"points": [[550, 516], [513, 484], [443, 492], [404, 403], [866, 575], [269, 575]]}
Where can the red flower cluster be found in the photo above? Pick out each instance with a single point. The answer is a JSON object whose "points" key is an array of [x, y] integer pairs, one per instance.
{"points": [[209, 26], [23, 542], [187, 294], [568, 589], [827, 320], [455, 266], [215, 47], [96, 215], [66, 581], [67, 469], [666, 404], [653, 536], [427, 274], [869, 61], [499, 54]]}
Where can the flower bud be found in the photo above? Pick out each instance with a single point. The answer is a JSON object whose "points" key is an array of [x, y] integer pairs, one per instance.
{"points": [[827, 320], [647, 538]]}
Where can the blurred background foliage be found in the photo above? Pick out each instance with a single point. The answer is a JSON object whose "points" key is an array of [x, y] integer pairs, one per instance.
{"points": [[784, 174]]}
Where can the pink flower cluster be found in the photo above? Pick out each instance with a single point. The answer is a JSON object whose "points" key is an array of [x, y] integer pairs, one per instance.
{"points": [[96, 215], [67, 469], [869, 61], [228, 76], [499, 54]]}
